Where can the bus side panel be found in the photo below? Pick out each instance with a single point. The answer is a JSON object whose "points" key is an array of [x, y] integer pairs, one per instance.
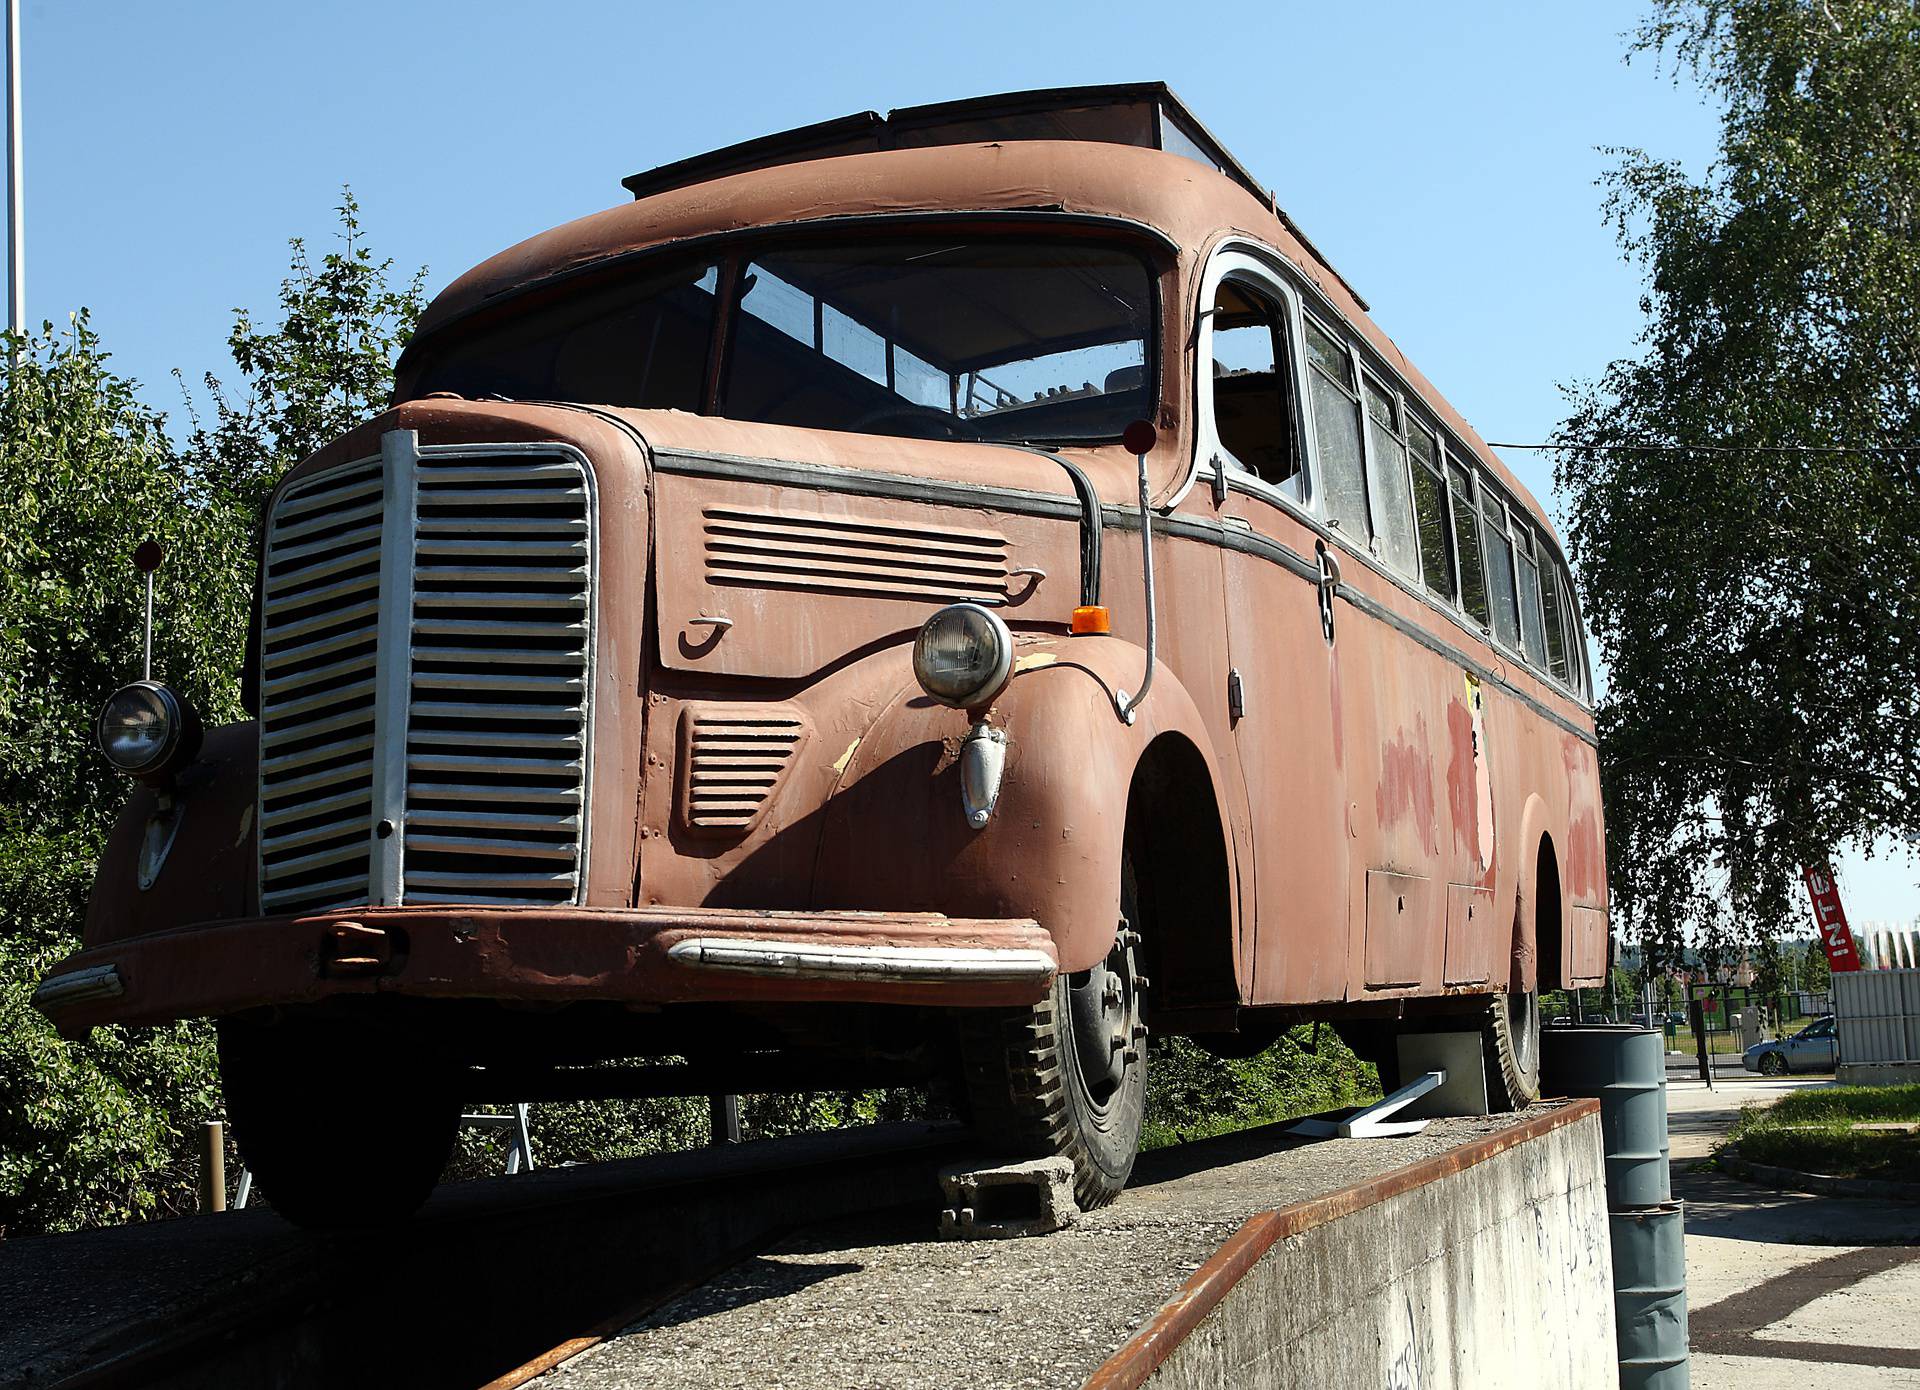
{"points": [[1395, 708]]}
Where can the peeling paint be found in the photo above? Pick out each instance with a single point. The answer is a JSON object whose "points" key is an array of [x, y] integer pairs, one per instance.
{"points": [[246, 824], [840, 763], [1034, 662]]}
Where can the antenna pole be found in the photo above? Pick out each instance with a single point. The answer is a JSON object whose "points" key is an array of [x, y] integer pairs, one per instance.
{"points": [[16, 196], [146, 636]]}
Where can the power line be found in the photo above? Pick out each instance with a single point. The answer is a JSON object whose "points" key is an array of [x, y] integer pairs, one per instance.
{"points": [[1716, 448]]}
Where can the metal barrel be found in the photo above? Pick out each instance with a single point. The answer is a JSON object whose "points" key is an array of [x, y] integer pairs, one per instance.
{"points": [[1626, 1068], [1650, 1297]]}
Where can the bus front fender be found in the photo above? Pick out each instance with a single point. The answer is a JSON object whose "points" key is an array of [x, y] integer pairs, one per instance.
{"points": [[897, 835]]}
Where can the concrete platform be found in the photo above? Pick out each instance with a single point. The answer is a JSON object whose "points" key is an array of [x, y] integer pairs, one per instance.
{"points": [[1474, 1253]]}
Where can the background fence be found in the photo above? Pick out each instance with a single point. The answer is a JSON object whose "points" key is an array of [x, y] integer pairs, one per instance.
{"points": [[1878, 1013]]}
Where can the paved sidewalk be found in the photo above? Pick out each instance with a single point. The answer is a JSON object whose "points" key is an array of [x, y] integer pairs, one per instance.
{"points": [[1788, 1291]]}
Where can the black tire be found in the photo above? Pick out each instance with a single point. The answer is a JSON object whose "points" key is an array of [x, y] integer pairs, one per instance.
{"points": [[1772, 1064], [340, 1126], [1510, 1039], [1032, 1079]]}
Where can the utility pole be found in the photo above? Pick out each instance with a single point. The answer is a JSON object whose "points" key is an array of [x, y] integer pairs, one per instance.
{"points": [[16, 197]]}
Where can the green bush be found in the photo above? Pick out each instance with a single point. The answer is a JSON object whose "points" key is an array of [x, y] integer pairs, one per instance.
{"points": [[1192, 1094], [104, 1130]]}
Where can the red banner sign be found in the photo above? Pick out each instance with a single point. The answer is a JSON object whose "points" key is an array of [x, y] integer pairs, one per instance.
{"points": [[1831, 919]]}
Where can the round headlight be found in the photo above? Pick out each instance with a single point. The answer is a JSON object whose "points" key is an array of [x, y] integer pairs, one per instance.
{"points": [[146, 730], [963, 655]]}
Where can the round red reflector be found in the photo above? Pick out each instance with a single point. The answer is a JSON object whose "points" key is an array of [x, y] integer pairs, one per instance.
{"points": [[1140, 437]]}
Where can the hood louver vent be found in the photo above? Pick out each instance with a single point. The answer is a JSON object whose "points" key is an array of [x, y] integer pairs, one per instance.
{"points": [[841, 555], [733, 758]]}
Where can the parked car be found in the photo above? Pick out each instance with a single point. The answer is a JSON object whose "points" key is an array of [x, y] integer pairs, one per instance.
{"points": [[1813, 1048]]}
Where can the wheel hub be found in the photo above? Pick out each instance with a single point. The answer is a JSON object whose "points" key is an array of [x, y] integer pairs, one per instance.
{"points": [[1522, 1029], [1104, 1004]]}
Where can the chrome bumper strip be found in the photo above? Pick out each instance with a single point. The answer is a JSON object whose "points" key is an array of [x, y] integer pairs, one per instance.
{"points": [[78, 987], [794, 960]]}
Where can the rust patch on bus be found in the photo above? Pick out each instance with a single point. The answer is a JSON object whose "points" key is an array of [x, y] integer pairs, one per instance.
{"points": [[1405, 788], [1461, 772]]}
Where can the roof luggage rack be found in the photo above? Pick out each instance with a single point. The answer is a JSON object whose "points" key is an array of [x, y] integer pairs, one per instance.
{"points": [[1144, 114]]}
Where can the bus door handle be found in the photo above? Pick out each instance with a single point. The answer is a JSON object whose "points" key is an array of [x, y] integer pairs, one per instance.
{"points": [[1328, 583]]}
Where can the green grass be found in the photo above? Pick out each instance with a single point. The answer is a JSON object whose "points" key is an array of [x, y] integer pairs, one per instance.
{"points": [[1813, 1131], [1718, 1044]]}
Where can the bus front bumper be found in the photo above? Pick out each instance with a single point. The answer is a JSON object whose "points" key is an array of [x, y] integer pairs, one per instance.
{"points": [[649, 956]]}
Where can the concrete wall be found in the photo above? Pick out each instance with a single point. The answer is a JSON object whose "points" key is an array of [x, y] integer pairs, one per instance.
{"points": [[1488, 1266]]}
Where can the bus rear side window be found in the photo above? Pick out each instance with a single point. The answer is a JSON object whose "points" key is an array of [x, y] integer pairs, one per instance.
{"points": [[1389, 479], [1533, 629], [1430, 514], [1555, 617], [1466, 539], [1500, 590], [1336, 430]]}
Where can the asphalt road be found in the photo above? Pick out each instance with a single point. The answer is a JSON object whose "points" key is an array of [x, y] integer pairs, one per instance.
{"points": [[1788, 1291]]}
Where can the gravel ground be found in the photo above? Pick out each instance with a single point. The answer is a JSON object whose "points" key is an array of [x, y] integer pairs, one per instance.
{"points": [[62, 1292], [878, 1304]]}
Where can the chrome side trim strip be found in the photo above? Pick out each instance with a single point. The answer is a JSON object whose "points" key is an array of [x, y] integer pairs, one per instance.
{"points": [[861, 483], [794, 960]]}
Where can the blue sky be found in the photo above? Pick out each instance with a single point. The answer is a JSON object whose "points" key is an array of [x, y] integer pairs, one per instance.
{"points": [[1443, 156]]}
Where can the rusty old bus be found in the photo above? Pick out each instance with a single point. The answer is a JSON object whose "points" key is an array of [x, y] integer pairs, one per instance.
{"points": [[736, 644]]}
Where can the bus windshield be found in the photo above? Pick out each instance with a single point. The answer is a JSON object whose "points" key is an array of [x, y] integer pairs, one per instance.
{"points": [[994, 339]]}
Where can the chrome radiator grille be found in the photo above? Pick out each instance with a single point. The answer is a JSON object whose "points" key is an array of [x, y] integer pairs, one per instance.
{"points": [[426, 654], [319, 621]]}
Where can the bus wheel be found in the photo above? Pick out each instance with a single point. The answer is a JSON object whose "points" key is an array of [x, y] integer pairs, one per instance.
{"points": [[1510, 1038], [1068, 1076], [340, 1126]]}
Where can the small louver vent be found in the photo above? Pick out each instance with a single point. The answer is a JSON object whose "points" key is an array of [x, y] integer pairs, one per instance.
{"points": [[732, 758], [876, 559]]}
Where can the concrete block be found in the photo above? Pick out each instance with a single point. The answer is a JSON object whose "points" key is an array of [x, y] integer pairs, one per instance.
{"points": [[1461, 1057], [1877, 1073], [1009, 1200]]}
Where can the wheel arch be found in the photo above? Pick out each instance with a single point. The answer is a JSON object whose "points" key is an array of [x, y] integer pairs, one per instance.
{"points": [[1540, 910], [1177, 848]]}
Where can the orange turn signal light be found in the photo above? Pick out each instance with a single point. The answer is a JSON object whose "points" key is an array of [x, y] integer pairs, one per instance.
{"points": [[1091, 620]]}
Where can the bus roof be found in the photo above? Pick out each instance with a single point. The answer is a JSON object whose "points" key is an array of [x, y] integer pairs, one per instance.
{"points": [[1145, 114], [938, 163]]}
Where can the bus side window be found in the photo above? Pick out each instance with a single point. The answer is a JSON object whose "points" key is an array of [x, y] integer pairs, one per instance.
{"points": [[1499, 553], [1389, 478], [1430, 513], [1253, 414], [1466, 541], [1555, 614], [1579, 669], [1533, 629], [1340, 466]]}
